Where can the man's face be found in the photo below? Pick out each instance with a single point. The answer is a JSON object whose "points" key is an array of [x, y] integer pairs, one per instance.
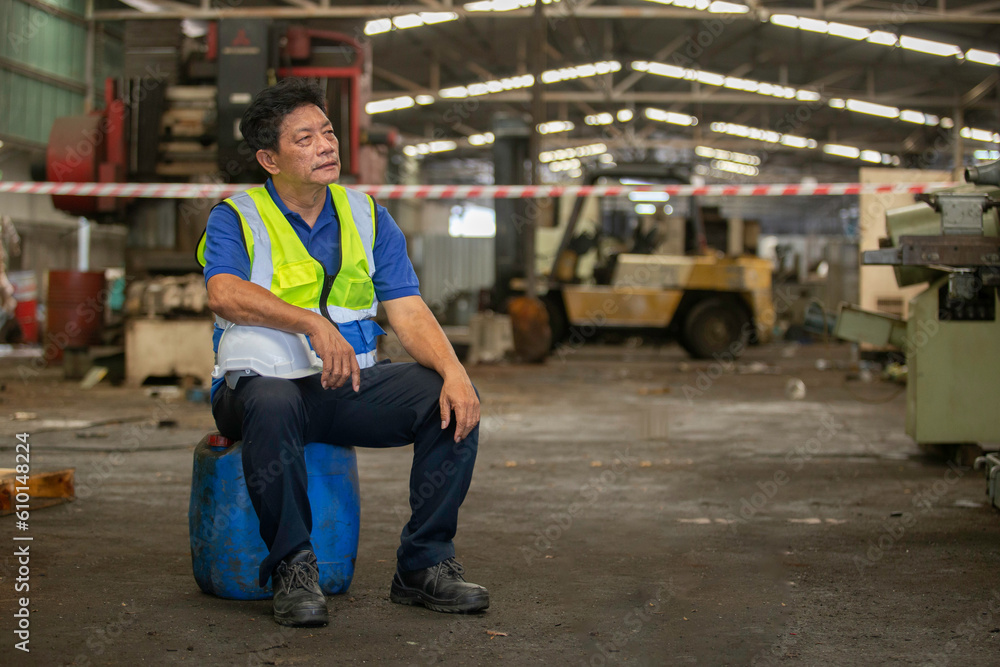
{"points": [[308, 150]]}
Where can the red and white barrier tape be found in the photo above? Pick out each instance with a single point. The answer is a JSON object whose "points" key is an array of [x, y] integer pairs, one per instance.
{"points": [[221, 191]]}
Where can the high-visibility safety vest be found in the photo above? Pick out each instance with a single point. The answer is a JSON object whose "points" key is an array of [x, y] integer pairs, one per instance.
{"points": [[280, 263]]}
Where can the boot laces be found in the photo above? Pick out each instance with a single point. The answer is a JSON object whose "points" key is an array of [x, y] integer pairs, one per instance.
{"points": [[298, 575], [454, 567]]}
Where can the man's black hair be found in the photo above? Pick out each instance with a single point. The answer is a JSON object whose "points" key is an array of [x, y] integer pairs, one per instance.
{"points": [[261, 123]]}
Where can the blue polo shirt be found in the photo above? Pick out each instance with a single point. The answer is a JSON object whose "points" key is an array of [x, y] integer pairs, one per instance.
{"points": [[225, 252]]}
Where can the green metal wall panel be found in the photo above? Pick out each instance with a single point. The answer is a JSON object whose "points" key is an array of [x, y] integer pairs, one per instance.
{"points": [[28, 107], [37, 39], [50, 45]]}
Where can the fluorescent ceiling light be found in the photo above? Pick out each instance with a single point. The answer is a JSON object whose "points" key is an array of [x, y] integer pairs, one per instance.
{"points": [[794, 141], [871, 156], [564, 165], [495, 6], [424, 99], [732, 156], [736, 83], [599, 119], [625, 115], [721, 7], [746, 132], [392, 104], [502, 5], [430, 147], [929, 46], [441, 146], [785, 20], [144, 6], [872, 109], [734, 167], [486, 87], [700, 5], [649, 196], [554, 126], [710, 78], [841, 150], [378, 26], [407, 21], [882, 37], [580, 71], [670, 117], [481, 139], [645, 209], [986, 155], [812, 25], [568, 153], [458, 92], [905, 115], [758, 134], [979, 135], [848, 31], [983, 57], [430, 18]]}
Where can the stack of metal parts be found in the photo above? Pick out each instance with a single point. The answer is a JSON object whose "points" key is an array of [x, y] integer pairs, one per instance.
{"points": [[167, 297], [188, 131]]}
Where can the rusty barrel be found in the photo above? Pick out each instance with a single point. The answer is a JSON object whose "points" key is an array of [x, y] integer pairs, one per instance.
{"points": [[75, 309], [26, 295]]}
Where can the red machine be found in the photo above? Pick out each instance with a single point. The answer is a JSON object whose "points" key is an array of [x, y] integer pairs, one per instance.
{"points": [[88, 149]]}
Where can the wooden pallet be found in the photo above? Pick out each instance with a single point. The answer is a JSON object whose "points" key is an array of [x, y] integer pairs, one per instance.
{"points": [[44, 488]]}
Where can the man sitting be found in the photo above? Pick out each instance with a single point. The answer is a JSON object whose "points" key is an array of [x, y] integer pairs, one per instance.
{"points": [[304, 255]]}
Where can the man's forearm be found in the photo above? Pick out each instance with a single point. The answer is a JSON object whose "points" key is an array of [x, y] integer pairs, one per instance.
{"points": [[243, 302], [421, 335]]}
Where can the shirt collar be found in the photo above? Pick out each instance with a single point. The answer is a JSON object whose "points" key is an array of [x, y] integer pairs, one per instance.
{"points": [[325, 216]]}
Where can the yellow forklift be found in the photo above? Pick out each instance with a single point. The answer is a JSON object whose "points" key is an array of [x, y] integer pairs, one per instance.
{"points": [[647, 282]]}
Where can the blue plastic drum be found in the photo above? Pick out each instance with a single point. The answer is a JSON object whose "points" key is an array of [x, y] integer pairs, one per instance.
{"points": [[226, 547]]}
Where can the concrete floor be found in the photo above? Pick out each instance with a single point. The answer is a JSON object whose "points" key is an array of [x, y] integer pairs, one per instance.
{"points": [[629, 506]]}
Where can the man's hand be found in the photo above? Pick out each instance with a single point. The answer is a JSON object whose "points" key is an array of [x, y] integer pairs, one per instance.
{"points": [[243, 302], [423, 339], [458, 394], [339, 361]]}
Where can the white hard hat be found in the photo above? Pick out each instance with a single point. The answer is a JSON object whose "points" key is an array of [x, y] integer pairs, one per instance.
{"points": [[244, 350]]}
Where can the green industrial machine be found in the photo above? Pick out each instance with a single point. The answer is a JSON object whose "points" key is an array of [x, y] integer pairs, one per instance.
{"points": [[951, 339]]}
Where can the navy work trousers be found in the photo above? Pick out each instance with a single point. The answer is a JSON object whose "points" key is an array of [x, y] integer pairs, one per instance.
{"points": [[398, 404]]}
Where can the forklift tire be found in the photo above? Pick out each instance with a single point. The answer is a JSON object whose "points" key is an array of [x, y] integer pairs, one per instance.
{"points": [[715, 327], [558, 322]]}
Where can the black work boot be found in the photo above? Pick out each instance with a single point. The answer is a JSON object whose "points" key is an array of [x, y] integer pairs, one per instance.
{"points": [[440, 587], [298, 600]]}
